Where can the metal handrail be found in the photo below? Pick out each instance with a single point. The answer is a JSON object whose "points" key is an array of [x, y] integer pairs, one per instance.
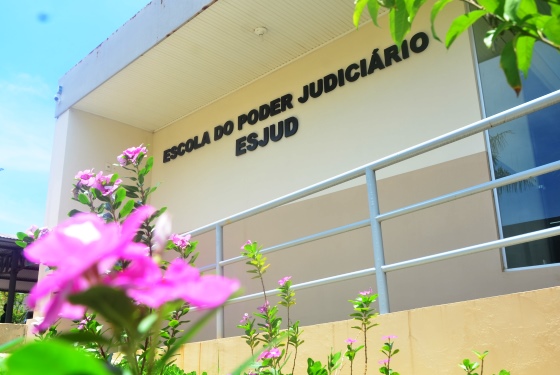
{"points": [[375, 219]]}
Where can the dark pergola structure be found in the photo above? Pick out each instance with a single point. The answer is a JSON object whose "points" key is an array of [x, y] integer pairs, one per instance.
{"points": [[17, 275]]}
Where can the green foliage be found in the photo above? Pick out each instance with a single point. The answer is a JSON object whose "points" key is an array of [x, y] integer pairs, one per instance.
{"points": [[333, 362], [388, 351], [315, 368], [256, 261], [56, 358], [526, 21], [19, 312], [469, 367], [364, 313]]}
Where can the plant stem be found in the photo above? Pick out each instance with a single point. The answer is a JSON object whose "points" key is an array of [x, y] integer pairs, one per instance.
{"points": [[294, 365], [364, 328]]}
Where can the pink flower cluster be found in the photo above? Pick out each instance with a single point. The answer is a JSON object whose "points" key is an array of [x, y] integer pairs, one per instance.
{"points": [[245, 244], [366, 292], [270, 353], [283, 280], [245, 318], [350, 341], [98, 181], [131, 155], [32, 229], [389, 337], [84, 250], [264, 308], [181, 241]]}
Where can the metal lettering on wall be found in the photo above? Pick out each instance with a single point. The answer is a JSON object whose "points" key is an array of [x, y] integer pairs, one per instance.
{"points": [[289, 126]]}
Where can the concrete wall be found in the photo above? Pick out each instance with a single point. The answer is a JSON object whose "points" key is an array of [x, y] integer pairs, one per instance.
{"points": [[85, 141], [521, 331], [9, 332]]}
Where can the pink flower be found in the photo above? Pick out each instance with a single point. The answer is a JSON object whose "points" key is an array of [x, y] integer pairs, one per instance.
{"points": [[181, 241], [131, 155], [383, 362], [366, 292], [82, 249], [245, 244], [207, 291], [32, 229], [103, 183], [283, 280], [271, 353], [82, 324], [86, 177], [245, 318], [389, 337], [264, 308], [350, 341], [144, 283]]}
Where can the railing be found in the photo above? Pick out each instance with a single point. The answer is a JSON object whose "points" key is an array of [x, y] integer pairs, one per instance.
{"points": [[375, 219]]}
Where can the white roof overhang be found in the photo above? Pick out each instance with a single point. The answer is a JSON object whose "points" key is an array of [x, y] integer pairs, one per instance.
{"points": [[175, 56]]}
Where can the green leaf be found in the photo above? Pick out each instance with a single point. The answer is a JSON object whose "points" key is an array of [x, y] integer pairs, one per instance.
{"points": [[399, 23], [173, 323], [555, 11], [130, 188], [524, 51], [490, 5], [188, 335], [504, 372], [113, 304], [127, 209], [358, 9], [508, 63], [74, 212], [114, 178], [147, 323], [83, 337], [120, 194], [510, 10], [53, 357], [21, 243], [373, 9], [132, 195], [412, 7], [21, 235], [83, 199], [526, 8], [438, 7], [462, 23], [552, 30], [149, 164]]}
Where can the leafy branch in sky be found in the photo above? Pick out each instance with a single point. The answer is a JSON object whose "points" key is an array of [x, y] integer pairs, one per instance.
{"points": [[526, 22]]}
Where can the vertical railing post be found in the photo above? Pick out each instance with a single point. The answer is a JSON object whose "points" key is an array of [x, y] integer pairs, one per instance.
{"points": [[220, 272], [378, 253]]}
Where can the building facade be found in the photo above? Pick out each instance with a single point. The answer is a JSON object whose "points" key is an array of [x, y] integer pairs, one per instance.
{"points": [[244, 102]]}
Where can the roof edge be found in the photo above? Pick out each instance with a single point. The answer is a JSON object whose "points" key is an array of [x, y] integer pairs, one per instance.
{"points": [[151, 25]]}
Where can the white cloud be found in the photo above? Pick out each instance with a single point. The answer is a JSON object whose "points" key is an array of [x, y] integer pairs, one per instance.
{"points": [[24, 84]]}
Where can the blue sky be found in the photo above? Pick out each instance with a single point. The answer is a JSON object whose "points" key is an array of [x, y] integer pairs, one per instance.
{"points": [[40, 40]]}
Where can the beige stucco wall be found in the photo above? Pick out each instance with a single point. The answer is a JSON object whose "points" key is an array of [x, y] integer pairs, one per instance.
{"points": [[424, 96], [521, 332], [85, 141]]}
